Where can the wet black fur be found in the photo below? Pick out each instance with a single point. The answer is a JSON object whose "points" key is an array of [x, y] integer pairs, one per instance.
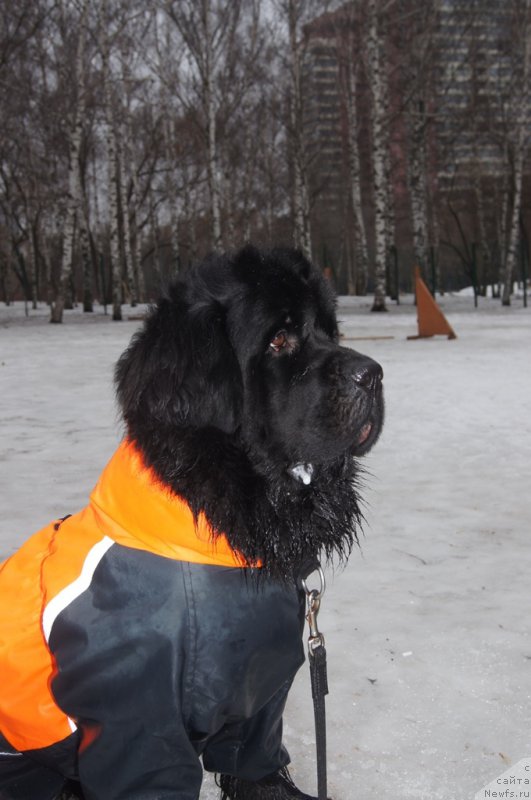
{"points": [[222, 418]]}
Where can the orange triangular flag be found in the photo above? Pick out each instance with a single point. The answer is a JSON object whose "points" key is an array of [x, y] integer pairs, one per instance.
{"points": [[431, 320]]}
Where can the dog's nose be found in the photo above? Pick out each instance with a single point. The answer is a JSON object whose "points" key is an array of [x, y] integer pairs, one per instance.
{"points": [[368, 374]]}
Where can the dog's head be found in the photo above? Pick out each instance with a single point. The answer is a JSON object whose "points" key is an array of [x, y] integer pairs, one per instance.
{"points": [[248, 345]]}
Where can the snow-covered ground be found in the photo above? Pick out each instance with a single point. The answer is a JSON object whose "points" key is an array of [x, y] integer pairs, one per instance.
{"points": [[428, 628]]}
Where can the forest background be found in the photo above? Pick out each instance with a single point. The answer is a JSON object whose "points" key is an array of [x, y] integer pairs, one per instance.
{"points": [[374, 135]]}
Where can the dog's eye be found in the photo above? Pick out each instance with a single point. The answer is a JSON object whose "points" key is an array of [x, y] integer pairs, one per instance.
{"points": [[279, 340]]}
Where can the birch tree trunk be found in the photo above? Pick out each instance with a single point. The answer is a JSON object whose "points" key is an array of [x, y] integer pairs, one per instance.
{"points": [[301, 204], [112, 167], [390, 221], [205, 36], [521, 104], [74, 182], [378, 155], [170, 77], [136, 277], [125, 168], [514, 227], [68, 246], [417, 181], [93, 201], [361, 246], [210, 103], [124, 205]]}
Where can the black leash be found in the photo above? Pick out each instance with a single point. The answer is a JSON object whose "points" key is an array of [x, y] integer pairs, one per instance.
{"points": [[317, 659]]}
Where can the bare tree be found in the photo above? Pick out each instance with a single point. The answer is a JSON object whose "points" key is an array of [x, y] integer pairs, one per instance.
{"points": [[413, 32], [272, 190], [207, 28], [297, 148], [74, 210], [28, 146], [152, 133], [519, 136], [290, 20], [379, 143], [19, 24], [220, 45], [362, 249], [112, 159], [498, 121]]}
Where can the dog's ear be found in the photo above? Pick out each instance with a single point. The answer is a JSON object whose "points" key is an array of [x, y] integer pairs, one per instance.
{"points": [[180, 368]]}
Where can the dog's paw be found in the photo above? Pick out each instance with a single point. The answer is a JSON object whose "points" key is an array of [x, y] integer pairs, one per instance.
{"points": [[278, 786]]}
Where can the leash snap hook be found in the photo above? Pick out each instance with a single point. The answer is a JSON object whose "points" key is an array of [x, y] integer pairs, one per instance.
{"points": [[313, 598]]}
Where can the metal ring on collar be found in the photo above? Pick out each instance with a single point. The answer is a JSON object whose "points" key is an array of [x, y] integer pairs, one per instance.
{"points": [[317, 594]]}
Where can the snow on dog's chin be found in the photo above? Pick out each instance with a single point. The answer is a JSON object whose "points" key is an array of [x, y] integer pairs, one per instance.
{"points": [[302, 473]]}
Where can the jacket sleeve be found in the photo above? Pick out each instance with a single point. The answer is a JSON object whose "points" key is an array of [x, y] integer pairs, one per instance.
{"points": [[121, 759], [120, 650]]}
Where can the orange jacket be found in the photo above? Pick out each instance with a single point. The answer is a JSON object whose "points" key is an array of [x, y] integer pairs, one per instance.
{"points": [[129, 507]]}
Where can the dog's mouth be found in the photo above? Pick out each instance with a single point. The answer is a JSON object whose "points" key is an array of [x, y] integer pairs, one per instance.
{"points": [[354, 442], [364, 434], [367, 434]]}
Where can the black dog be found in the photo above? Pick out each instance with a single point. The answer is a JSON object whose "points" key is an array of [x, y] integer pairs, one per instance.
{"points": [[240, 398], [179, 634]]}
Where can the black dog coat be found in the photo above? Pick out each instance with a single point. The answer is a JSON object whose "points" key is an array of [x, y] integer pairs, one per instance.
{"points": [[132, 643]]}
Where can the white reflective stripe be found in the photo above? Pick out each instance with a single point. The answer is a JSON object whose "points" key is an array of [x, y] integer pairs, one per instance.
{"points": [[77, 587], [12, 755]]}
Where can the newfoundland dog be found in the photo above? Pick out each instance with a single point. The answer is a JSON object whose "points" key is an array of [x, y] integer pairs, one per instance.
{"points": [[161, 625]]}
